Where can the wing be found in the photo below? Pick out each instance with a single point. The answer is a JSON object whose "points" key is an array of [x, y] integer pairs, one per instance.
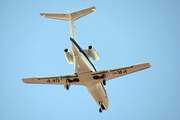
{"points": [[72, 79], [117, 72]]}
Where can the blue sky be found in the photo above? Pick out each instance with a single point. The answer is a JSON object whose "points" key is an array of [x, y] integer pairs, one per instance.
{"points": [[123, 33]]}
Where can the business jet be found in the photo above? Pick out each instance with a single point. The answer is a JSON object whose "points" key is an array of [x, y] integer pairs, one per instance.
{"points": [[86, 73]]}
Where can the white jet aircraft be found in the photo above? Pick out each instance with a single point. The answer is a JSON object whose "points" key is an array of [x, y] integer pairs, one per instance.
{"points": [[86, 73]]}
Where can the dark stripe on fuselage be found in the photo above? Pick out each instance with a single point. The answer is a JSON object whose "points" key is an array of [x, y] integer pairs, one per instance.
{"points": [[80, 49]]}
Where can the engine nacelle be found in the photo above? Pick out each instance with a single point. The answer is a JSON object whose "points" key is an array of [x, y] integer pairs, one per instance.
{"points": [[93, 53], [69, 56]]}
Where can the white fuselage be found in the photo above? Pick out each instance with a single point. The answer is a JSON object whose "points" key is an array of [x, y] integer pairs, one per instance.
{"points": [[83, 68]]}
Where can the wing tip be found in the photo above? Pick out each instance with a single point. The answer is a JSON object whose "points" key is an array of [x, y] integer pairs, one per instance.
{"points": [[148, 64], [42, 14], [93, 8]]}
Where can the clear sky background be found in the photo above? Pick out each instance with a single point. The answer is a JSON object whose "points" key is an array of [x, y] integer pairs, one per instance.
{"points": [[124, 32]]}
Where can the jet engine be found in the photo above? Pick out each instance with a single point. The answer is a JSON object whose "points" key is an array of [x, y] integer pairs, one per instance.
{"points": [[93, 53], [69, 56]]}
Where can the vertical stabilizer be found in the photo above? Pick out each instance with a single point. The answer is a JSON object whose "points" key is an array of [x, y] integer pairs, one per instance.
{"points": [[71, 24], [71, 17]]}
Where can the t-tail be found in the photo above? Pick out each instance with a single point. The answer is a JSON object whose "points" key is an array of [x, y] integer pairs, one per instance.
{"points": [[71, 17]]}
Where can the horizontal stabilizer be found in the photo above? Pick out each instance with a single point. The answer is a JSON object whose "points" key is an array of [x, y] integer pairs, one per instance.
{"points": [[62, 16], [78, 14], [65, 16]]}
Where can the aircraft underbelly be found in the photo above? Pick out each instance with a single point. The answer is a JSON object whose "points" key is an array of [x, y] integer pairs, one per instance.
{"points": [[81, 65], [99, 94], [83, 68]]}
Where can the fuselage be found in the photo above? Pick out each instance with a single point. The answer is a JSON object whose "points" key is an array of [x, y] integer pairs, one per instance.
{"points": [[83, 67]]}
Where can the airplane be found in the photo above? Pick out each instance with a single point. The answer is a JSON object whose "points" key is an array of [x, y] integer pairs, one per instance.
{"points": [[85, 73]]}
